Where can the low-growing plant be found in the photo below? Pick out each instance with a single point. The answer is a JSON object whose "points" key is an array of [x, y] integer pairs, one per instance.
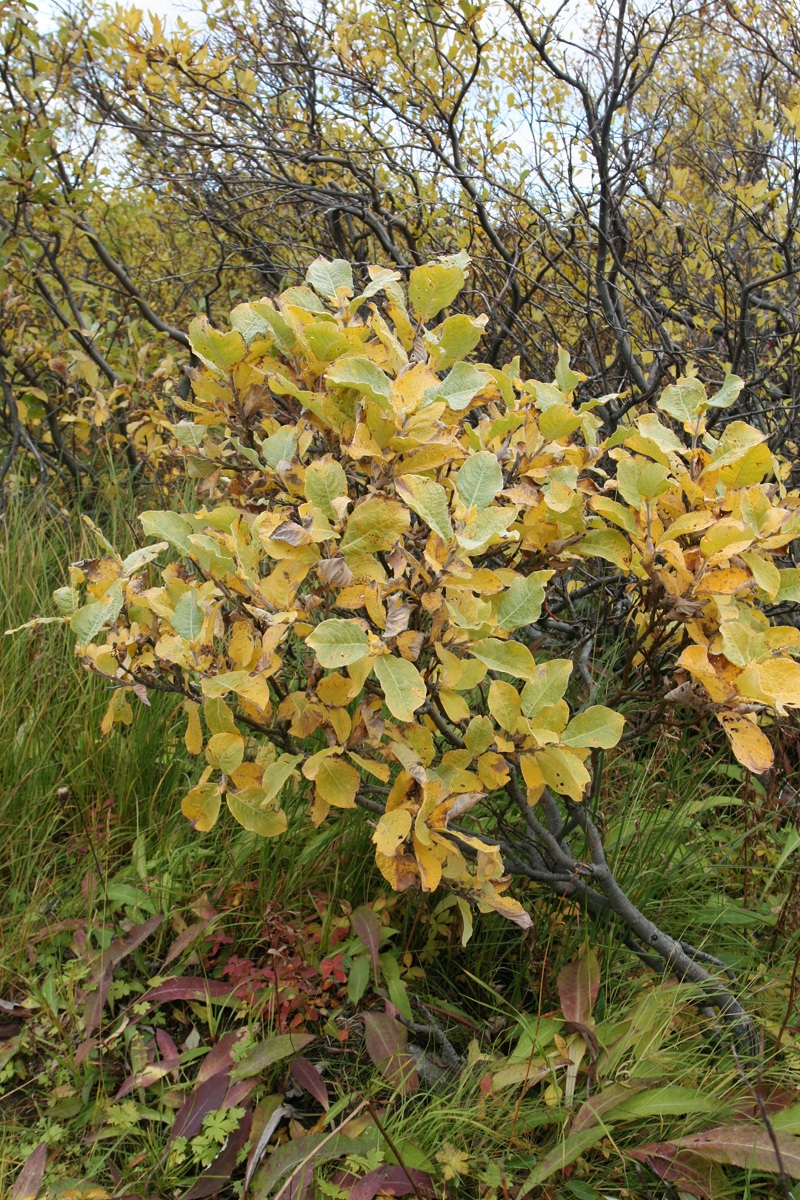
{"points": [[415, 577]]}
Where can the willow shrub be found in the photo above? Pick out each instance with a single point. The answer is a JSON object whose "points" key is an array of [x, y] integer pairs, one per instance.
{"points": [[401, 585]]}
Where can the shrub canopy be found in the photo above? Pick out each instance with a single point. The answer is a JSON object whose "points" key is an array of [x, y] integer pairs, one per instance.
{"points": [[415, 576]]}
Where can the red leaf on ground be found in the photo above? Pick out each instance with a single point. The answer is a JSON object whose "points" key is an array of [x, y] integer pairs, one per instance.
{"points": [[689, 1172], [365, 924], [386, 1042], [96, 991], [219, 1057], [578, 985], [192, 933], [29, 1181], [308, 1077], [204, 1099], [393, 1181], [186, 987]]}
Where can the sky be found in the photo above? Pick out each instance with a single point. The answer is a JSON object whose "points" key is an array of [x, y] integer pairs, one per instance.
{"points": [[167, 10]]}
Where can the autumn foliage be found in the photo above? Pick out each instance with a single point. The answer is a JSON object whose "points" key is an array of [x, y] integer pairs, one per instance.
{"points": [[365, 608]]}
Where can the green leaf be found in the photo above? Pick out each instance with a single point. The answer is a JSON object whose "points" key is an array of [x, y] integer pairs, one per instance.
{"points": [[667, 1101], [246, 808], [219, 351], [563, 772], [325, 482], [458, 388], [489, 524], [66, 600], [365, 377], [566, 379], [190, 434], [684, 400], [432, 288], [328, 277], [140, 558], [479, 735], [521, 604], [280, 446], [276, 774], [608, 544], [728, 394], [326, 341], [454, 339], [225, 751], [250, 322], [272, 1050], [546, 685], [86, 622], [187, 620], [403, 686], [169, 525], [597, 727], [511, 658], [639, 481], [561, 1156], [479, 480], [428, 500], [357, 978], [338, 643]]}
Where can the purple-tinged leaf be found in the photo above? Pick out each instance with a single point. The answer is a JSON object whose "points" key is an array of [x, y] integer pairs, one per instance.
{"points": [[192, 933], [204, 1099], [271, 1050], [386, 1042], [578, 985], [746, 1146], [365, 924], [239, 1092], [688, 1172], [166, 1046], [393, 1181], [187, 987], [219, 1173], [309, 1079], [150, 1074], [219, 1057], [96, 991], [29, 1181]]}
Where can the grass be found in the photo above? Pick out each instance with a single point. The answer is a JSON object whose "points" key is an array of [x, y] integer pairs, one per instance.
{"points": [[92, 844]]}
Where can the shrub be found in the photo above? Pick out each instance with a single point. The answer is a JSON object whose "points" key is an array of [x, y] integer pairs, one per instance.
{"points": [[415, 577]]}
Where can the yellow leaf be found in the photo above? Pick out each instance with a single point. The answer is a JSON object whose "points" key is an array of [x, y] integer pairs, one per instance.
{"points": [[225, 751], [775, 682], [750, 746], [337, 783], [563, 771], [201, 806], [429, 861], [534, 779], [493, 770], [454, 705], [695, 660], [391, 831], [504, 705], [193, 738]]}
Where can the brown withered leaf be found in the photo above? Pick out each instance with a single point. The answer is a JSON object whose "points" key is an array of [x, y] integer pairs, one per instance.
{"points": [[291, 533], [335, 572], [398, 614]]}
